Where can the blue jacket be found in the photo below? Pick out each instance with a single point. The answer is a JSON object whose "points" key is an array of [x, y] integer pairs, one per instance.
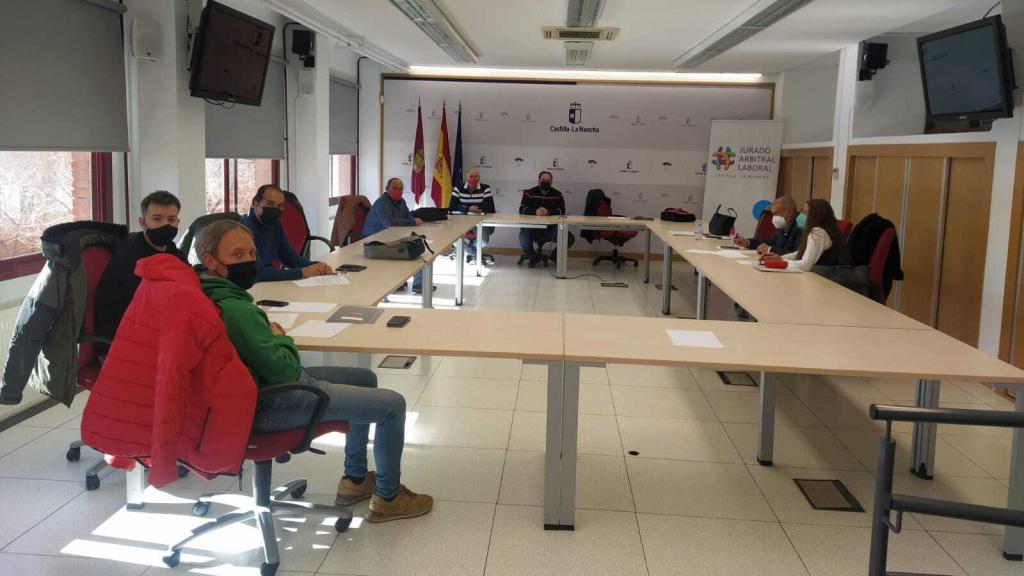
{"points": [[271, 245], [782, 241], [386, 213]]}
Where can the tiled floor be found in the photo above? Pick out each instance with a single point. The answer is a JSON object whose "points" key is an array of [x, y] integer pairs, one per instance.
{"points": [[692, 500]]}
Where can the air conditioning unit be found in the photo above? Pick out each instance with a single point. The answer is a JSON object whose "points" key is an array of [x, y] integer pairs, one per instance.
{"points": [[577, 53], [580, 34]]}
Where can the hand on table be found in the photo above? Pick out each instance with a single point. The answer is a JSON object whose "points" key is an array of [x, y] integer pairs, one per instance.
{"points": [[542, 211], [770, 256], [276, 329], [763, 249], [741, 241], [417, 221], [475, 209], [317, 269]]}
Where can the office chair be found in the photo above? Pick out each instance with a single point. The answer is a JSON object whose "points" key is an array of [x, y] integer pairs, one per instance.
{"points": [[845, 227], [296, 227], [598, 204], [765, 228], [197, 225], [349, 220], [876, 267], [265, 448]]}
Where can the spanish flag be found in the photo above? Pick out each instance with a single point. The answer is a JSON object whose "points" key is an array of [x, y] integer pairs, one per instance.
{"points": [[441, 186], [418, 183]]}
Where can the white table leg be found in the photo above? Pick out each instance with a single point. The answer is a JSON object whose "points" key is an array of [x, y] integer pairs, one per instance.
{"points": [[560, 446], [766, 435], [666, 280], [428, 285], [480, 249], [647, 255], [135, 485], [1013, 541], [702, 296], [922, 463], [460, 261], [562, 266]]}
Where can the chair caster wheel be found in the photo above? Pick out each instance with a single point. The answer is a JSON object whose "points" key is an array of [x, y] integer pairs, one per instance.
{"points": [[200, 508], [342, 524], [298, 492], [74, 454], [92, 482], [183, 471], [172, 559], [268, 569]]}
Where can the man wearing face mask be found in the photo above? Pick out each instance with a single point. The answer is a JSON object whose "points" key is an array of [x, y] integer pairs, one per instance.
{"points": [[264, 220], [117, 285], [227, 251], [541, 200], [786, 237]]}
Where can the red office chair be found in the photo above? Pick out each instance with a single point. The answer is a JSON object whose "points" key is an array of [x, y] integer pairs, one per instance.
{"points": [[296, 227], [765, 228], [876, 267], [263, 450], [845, 226]]}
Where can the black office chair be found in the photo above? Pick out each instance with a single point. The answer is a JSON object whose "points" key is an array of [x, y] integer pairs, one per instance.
{"points": [[185, 245], [598, 204]]}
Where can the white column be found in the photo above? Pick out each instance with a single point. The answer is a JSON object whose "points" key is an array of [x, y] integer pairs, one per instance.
{"points": [[167, 125], [842, 127], [370, 133], [309, 139]]}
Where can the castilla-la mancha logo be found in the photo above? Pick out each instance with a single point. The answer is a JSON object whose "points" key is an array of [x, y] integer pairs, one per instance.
{"points": [[723, 158], [575, 113]]}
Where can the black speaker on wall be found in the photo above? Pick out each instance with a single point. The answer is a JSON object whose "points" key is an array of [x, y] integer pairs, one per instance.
{"points": [[304, 45], [874, 57]]}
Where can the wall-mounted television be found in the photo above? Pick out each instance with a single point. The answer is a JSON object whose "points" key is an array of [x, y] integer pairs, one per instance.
{"points": [[967, 72], [230, 57]]}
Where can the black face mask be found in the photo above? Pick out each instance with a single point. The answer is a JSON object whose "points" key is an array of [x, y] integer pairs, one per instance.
{"points": [[242, 274], [545, 186], [162, 236], [270, 215]]}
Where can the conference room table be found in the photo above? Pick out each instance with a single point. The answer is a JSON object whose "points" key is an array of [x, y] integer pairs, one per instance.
{"points": [[563, 223]]}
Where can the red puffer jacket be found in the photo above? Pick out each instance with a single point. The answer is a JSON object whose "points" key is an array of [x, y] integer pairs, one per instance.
{"points": [[172, 387]]}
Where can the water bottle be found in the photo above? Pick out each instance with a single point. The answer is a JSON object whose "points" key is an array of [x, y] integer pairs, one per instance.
{"points": [[699, 231]]}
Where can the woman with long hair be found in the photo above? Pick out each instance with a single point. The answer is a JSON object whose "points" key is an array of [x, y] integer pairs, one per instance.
{"points": [[822, 243]]}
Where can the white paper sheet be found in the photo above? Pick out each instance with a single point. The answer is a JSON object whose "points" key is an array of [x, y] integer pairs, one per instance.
{"points": [[696, 251], [694, 338], [748, 263], [285, 320], [783, 270], [318, 329], [332, 280], [682, 233], [729, 253], [316, 307]]}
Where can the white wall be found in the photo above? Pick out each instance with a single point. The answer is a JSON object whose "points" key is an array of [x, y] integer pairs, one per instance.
{"points": [[369, 130], [897, 108], [808, 100]]}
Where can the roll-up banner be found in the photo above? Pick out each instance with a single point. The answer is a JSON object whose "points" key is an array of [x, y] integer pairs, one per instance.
{"points": [[743, 169]]}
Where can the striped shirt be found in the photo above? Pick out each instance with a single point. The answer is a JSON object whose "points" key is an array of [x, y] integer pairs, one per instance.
{"points": [[463, 197]]}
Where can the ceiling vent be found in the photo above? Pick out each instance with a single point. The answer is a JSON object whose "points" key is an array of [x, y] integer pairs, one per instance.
{"points": [[577, 53], [583, 13], [582, 34], [748, 26], [433, 22]]}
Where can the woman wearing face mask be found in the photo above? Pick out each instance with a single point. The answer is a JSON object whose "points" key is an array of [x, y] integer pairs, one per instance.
{"points": [[227, 251], [785, 238], [117, 286], [822, 242]]}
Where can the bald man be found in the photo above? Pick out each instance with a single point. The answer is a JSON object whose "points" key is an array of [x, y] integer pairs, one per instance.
{"points": [[473, 197], [786, 237]]}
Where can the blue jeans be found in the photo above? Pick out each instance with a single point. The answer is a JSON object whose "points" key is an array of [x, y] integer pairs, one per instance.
{"points": [[354, 397]]}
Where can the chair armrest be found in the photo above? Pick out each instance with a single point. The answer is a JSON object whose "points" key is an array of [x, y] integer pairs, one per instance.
{"points": [[324, 240], [322, 399], [997, 418], [93, 338]]}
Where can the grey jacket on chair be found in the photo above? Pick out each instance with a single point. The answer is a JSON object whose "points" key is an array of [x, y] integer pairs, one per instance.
{"points": [[44, 344]]}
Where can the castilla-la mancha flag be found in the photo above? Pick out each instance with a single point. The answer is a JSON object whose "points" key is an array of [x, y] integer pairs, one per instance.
{"points": [[418, 182], [441, 186]]}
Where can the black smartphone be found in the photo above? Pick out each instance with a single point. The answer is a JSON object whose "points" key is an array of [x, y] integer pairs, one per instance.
{"points": [[729, 247], [398, 321], [350, 268], [614, 285], [272, 303]]}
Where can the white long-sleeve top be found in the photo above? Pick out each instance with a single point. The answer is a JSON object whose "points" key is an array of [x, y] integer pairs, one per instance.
{"points": [[817, 243]]}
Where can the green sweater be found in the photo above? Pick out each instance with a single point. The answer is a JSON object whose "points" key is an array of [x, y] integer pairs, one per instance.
{"points": [[270, 358]]}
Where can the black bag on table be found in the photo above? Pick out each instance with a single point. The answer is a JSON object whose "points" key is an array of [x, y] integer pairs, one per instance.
{"points": [[722, 224], [408, 248], [430, 214], [677, 215]]}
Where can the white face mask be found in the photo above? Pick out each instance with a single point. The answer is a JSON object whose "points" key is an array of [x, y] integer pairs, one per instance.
{"points": [[778, 221]]}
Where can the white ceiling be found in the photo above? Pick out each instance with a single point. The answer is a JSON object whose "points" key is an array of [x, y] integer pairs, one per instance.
{"points": [[652, 34]]}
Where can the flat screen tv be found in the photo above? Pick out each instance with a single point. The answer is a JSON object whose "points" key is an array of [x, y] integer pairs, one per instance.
{"points": [[230, 57], [967, 72]]}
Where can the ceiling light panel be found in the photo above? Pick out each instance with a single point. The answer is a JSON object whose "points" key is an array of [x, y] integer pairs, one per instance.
{"points": [[436, 25], [583, 13], [748, 26]]}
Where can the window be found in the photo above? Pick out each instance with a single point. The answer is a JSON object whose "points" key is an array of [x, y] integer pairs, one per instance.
{"points": [[231, 183], [343, 176], [40, 189]]}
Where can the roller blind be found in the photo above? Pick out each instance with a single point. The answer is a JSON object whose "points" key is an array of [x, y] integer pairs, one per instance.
{"points": [[250, 131], [344, 112], [62, 79]]}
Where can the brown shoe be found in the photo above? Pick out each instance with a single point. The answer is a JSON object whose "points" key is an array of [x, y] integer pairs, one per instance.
{"points": [[350, 493], [406, 504]]}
